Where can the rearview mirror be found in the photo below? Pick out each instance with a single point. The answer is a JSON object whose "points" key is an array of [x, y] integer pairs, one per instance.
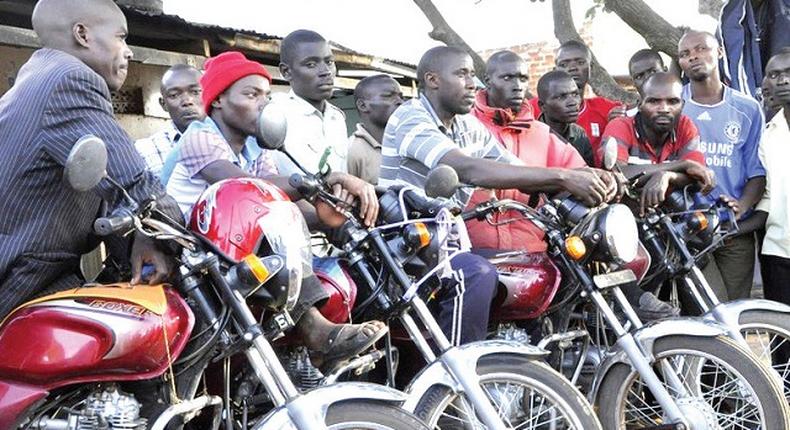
{"points": [[442, 181], [610, 153], [272, 128], [86, 164]]}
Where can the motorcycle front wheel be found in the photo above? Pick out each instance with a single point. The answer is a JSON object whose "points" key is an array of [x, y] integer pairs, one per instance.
{"points": [[727, 388], [527, 394], [370, 415], [768, 335]]}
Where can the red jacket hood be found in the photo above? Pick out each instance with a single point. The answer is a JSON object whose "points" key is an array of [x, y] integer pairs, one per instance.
{"points": [[502, 117]]}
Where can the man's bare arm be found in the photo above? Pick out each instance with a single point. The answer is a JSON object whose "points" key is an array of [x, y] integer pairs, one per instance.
{"points": [[582, 183]]}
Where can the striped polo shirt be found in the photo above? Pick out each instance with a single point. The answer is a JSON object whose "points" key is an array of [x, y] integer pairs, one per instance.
{"points": [[415, 140]]}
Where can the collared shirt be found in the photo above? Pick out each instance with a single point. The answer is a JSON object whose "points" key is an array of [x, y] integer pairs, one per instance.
{"points": [[577, 137], [155, 148], [364, 155], [45, 225], [311, 133], [632, 148], [774, 153], [415, 140], [730, 133], [201, 145], [535, 145]]}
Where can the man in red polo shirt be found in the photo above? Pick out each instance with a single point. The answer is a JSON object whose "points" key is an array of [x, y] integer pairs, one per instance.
{"points": [[574, 58], [505, 112], [660, 142]]}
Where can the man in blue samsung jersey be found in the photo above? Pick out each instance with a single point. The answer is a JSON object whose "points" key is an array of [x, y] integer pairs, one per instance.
{"points": [[730, 125]]}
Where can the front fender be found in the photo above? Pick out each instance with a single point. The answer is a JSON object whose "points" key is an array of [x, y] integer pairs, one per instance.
{"points": [[316, 403], [729, 314], [436, 373], [647, 336]]}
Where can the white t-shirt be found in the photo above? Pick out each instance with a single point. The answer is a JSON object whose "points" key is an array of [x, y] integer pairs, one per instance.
{"points": [[310, 133]]}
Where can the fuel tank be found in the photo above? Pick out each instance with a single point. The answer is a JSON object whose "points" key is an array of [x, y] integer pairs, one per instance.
{"points": [[531, 281], [94, 333], [338, 284]]}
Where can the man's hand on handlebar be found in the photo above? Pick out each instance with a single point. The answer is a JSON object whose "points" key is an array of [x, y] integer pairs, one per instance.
{"points": [[145, 252], [587, 185], [349, 189], [703, 175], [731, 203], [654, 191]]}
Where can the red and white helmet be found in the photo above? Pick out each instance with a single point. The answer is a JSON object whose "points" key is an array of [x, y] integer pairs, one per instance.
{"points": [[243, 216]]}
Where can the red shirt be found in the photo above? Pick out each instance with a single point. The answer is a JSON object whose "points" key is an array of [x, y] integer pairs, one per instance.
{"points": [[682, 143], [593, 117], [534, 144]]}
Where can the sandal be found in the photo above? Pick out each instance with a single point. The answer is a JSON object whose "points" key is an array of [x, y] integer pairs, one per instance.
{"points": [[346, 341]]}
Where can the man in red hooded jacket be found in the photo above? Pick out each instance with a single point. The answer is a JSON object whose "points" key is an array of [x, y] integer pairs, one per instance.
{"points": [[504, 110]]}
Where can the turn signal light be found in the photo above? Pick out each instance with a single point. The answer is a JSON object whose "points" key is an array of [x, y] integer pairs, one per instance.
{"points": [[257, 268], [417, 235], [575, 247], [698, 221]]}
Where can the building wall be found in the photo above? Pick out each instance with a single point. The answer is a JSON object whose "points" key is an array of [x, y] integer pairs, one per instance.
{"points": [[142, 77]]}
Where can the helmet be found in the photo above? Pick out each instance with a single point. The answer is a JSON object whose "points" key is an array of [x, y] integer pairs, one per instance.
{"points": [[243, 216], [227, 215]]}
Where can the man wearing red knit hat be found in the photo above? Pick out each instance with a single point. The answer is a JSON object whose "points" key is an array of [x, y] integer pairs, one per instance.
{"points": [[223, 146]]}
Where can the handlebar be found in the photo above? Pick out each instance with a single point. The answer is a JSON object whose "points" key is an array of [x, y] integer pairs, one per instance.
{"points": [[121, 221], [307, 185]]}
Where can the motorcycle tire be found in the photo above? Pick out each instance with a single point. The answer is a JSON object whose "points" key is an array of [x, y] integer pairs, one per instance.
{"points": [[370, 415], [750, 374], [528, 373], [774, 324]]}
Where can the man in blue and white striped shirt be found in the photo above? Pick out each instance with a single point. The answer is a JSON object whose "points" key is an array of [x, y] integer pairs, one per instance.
{"points": [[436, 128]]}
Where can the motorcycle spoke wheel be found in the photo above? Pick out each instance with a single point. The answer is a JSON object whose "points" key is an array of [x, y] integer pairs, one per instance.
{"points": [[722, 387], [521, 401], [768, 336]]}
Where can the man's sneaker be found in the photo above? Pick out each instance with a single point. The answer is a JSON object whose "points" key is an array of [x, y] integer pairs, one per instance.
{"points": [[652, 308]]}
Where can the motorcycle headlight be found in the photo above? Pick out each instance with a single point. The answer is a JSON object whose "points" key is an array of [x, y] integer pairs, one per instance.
{"points": [[611, 232], [288, 236], [620, 233]]}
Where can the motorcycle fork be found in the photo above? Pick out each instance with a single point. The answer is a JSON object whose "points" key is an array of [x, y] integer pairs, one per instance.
{"points": [[640, 359], [262, 357], [461, 371], [696, 281], [703, 294]]}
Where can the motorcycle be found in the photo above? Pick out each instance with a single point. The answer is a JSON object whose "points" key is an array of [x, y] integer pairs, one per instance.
{"points": [[675, 373], [678, 236], [490, 384], [132, 357]]}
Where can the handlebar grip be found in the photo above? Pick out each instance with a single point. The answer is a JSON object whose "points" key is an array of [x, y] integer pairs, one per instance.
{"points": [[106, 226]]}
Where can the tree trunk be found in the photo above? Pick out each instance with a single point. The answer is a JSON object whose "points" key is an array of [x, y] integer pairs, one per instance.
{"points": [[658, 33], [442, 32], [601, 81]]}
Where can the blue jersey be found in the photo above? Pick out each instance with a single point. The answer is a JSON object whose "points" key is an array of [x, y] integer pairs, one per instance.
{"points": [[730, 133]]}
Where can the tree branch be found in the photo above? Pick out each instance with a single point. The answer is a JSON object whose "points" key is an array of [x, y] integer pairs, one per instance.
{"points": [[442, 32], [711, 8], [602, 83], [658, 33]]}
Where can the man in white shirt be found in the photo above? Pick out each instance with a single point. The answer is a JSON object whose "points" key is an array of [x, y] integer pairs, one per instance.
{"points": [[181, 91], [774, 153], [316, 128]]}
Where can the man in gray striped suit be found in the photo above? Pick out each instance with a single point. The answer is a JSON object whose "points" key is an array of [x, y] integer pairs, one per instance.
{"points": [[61, 94]]}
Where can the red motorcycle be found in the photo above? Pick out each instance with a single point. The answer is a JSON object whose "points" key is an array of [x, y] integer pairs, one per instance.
{"points": [[133, 357]]}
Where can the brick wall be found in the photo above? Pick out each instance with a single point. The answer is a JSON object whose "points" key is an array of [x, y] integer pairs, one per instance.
{"points": [[540, 55]]}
